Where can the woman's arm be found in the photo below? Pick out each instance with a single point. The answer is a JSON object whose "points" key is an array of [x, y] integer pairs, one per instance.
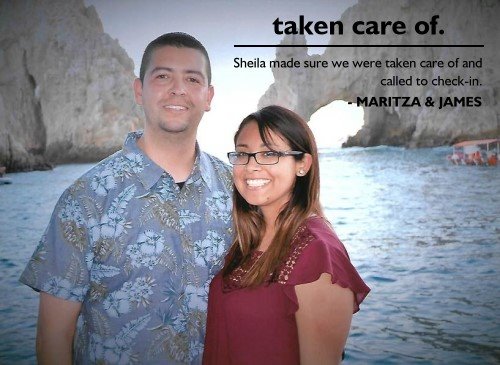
{"points": [[56, 329], [323, 320]]}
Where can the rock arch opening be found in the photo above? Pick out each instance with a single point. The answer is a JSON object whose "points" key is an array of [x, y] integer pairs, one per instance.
{"points": [[335, 122]]}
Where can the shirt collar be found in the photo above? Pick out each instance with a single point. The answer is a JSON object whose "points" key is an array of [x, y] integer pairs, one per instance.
{"points": [[206, 170], [151, 172], [201, 168]]}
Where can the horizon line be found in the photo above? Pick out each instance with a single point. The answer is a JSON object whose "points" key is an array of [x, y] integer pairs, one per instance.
{"points": [[354, 45]]}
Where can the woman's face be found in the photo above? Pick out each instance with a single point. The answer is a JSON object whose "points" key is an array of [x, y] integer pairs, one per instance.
{"points": [[266, 186]]}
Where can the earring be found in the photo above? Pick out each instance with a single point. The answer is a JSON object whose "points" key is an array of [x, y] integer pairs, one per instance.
{"points": [[301, 172]]}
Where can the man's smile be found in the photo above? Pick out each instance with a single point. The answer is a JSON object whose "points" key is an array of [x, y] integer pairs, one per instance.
{"points": [[175, 107]]}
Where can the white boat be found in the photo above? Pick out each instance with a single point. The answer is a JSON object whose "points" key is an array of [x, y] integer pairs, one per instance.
{"points": [[5, 181], [480, 152]]}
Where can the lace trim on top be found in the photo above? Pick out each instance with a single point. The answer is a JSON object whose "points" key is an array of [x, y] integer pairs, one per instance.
{"points": [[300, 241], [233, 280]]}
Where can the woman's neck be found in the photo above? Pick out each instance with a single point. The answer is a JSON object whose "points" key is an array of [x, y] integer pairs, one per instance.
{"points": [[267, 238]]}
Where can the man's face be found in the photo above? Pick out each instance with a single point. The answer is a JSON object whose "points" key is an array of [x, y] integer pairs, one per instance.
{"points": [[175, 92]]}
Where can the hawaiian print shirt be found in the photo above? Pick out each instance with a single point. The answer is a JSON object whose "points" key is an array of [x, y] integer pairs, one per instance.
{"points": [[139, 253]]}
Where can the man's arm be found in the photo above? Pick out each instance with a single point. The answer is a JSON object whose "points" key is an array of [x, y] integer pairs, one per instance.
{"points": [[323, 320], [56, 329]]}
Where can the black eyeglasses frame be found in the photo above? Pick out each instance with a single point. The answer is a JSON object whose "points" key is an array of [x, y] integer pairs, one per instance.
{"points": [[254, 155]]}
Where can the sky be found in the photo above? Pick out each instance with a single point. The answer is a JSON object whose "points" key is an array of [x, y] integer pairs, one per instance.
{"points": [[219, 24]]}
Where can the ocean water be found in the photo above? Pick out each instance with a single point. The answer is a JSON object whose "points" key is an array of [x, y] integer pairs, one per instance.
{"points": [[424, 234]]}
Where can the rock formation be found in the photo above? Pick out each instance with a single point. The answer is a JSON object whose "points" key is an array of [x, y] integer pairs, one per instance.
{"points": [[463, 22], [65, 86]]}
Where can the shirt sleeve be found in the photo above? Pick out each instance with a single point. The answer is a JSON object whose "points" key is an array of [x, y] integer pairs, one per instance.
{"points": [[58, 265], [324, 253]]}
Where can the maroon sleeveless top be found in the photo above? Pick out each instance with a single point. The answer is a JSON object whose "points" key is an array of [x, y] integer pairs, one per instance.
{"points": [[257, 325]]}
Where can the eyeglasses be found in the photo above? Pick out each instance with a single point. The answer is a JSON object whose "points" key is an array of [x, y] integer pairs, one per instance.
{"points": [[262, 157]]}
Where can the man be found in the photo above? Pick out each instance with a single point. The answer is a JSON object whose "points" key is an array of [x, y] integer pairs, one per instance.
{"points": [[132, 244]]}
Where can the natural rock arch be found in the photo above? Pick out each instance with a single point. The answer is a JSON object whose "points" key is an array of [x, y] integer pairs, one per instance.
{"points": [[464, 22]]}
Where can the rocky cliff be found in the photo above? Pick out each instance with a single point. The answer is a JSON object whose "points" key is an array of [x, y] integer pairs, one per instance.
{"points": [[463, 22], [65, 86]]}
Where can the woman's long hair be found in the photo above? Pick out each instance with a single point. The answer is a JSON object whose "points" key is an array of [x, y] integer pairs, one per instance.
{"points": [[248, 221]]}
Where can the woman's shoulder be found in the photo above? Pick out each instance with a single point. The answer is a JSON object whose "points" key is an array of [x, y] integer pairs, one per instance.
{"points": [[322, 232], [314, 248], [317, 235]]}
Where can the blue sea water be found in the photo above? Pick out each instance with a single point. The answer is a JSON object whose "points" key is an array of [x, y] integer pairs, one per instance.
{"points": [[424, 234]]}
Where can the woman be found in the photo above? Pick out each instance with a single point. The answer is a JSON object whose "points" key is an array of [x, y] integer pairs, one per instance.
{"points": [[287, 291]]}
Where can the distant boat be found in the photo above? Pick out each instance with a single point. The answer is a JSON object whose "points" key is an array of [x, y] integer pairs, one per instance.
{"points": [[480, 152], [4, 180]]}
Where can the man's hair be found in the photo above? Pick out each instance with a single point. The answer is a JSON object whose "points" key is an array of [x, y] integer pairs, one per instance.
{"points": [[175, 39]]}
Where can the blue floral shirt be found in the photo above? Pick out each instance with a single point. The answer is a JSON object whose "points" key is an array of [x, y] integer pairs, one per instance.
{"points": [[139, 253]]}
